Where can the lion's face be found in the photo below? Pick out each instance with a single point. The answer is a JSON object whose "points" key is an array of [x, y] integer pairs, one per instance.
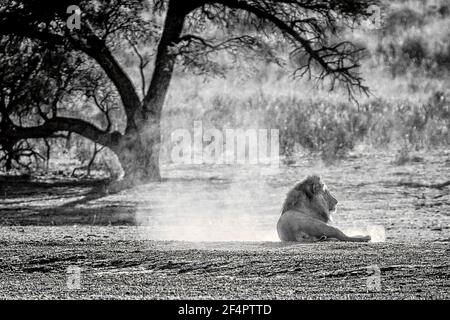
{"points": [[323, 199], [311, 196]]}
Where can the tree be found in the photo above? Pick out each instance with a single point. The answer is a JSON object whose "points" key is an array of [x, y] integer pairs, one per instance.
{"points": [[33, 82], [110, 26], [41, 84]]}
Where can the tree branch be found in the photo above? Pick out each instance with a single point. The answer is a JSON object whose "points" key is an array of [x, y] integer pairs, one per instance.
{"points": [[306, 24], [86, 41], [58, 124]]}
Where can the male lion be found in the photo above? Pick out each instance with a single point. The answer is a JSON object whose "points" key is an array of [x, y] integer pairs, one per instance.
{"points": [[306, 213]]}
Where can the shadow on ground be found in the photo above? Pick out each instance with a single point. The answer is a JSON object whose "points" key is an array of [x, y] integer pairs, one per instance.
{"points": [[26, 201]]}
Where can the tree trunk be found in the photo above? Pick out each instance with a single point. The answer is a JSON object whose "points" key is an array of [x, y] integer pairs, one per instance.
{"points": [[139, 156], [138, 150]]}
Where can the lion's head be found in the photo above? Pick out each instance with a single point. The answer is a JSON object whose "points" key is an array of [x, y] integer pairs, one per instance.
{"points": [[311, 195]]}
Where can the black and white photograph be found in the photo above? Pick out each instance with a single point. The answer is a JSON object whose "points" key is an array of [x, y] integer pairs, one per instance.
{"points": [[224, 150]]}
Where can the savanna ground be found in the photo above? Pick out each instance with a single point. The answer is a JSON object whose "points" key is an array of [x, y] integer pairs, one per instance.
{"points": [[209, 231], [228, 216]]}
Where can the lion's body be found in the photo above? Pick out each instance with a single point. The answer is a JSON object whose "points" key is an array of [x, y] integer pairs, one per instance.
{"points": [[306, 214]]}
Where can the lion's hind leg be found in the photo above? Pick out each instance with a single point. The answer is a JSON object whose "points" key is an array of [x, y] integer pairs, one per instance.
{"points": [[306, 238]]}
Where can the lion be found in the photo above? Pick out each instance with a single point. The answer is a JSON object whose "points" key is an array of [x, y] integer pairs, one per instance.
{"points": [[306, 213]]}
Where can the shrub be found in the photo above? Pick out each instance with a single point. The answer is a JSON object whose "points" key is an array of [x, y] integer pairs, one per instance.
{"points": [[414, 51], [401, 19]]}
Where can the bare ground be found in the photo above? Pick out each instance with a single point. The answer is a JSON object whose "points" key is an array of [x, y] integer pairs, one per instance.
{"points": [[263, 270], [49, 225]]}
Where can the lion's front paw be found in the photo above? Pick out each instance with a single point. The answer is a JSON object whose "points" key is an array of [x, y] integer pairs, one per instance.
{"points": [[365, 239], [361, 238]]}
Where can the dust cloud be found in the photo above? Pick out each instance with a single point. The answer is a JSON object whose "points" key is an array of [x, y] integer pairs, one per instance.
{"points": [[235, 203], [238, 206]]}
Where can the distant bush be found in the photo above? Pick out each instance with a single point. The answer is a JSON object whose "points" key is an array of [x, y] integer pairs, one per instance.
{"points": [[414, 51], [442, 10], [326, 128], [442, 56], [401, 19], [412, 40]]}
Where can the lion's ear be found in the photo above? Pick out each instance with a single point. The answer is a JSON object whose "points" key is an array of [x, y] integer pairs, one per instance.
{"points": [[316, 187]]}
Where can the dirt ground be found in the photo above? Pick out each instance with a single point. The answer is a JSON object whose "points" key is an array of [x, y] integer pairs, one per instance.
{"points": [[221, 227], [250, 270]]}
